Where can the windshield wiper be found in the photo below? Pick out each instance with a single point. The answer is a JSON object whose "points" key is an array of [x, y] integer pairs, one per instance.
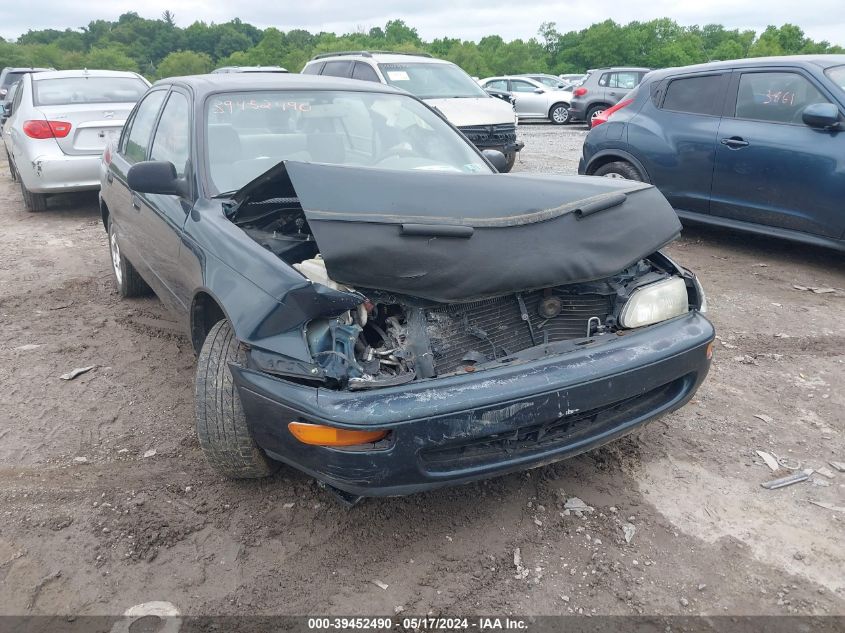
{"points": [[225, 194]]}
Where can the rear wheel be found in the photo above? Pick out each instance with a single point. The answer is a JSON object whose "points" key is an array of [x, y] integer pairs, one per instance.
{"points": [[222, 428], [559, 113], [33, 201], [593, 112], [129, 283], [619, 169]]}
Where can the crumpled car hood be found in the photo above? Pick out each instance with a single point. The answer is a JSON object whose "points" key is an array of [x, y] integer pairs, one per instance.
{"points": [[453, 237]]}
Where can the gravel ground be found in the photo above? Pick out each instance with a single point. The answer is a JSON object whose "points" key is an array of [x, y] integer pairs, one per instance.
{"points": [[106, 502]]}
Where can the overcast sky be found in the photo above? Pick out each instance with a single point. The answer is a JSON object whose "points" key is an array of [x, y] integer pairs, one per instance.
{"points": [[466, 19]]}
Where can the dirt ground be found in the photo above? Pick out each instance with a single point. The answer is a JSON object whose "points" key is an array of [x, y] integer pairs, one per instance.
{"points": [[90, 525]]}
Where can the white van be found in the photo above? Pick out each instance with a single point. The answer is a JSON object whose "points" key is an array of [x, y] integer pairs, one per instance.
{"points": [[488, 122]]}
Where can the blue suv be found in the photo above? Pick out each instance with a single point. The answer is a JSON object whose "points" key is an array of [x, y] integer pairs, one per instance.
{"points": [[756, 144]]}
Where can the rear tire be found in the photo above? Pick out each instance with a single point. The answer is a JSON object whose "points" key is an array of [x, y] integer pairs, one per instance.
{"points": [[33, 201], [222, 428], [559, 114], [127, 280], [12, 172], [592, 112], [619, 169]]}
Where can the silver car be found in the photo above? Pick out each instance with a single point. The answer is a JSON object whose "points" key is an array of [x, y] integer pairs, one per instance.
{"points": [[534, 100], [60, 122]]}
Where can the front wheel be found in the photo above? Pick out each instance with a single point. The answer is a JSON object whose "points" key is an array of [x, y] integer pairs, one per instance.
{"points": [[619, 169], [559, 114], [222, 428]]}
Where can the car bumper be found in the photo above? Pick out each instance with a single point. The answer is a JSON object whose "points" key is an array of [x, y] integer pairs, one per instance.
{"points": [[477, 425], [577, 111], [51, 173]]}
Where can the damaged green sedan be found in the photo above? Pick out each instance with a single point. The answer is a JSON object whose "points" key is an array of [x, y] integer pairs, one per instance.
{"points": [[373, 304]]}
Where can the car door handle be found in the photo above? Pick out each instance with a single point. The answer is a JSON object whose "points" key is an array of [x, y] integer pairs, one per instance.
{"points": [[136, 202], [734, 142]]}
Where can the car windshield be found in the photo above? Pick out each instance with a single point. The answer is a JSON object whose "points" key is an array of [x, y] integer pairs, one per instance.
{"points": [[431, 80], [837, 75], [249, 132], [69, 90]]}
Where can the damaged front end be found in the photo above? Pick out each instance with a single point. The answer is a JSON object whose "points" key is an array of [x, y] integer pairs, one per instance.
{"points": [[454, 273]]}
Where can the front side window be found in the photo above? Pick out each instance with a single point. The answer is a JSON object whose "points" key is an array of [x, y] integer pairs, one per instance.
{"points": [[696, 95], [518, 85], [141, 127], [431, 80], [779, 97], [249, 132], [172, 139], [70, 90]]}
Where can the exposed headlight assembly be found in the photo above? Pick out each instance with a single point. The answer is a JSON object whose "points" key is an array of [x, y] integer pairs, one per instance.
{"points": [[655, 302]]}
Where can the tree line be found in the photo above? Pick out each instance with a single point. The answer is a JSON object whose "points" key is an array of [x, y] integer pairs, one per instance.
{"points": [[159, 48]]}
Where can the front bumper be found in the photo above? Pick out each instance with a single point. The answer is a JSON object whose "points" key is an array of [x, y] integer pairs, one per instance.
{"points": [[476, 425], [501, 137], [56, 173]]}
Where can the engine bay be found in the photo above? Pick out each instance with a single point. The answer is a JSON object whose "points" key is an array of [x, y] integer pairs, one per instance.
{"points": [[392, 339]]}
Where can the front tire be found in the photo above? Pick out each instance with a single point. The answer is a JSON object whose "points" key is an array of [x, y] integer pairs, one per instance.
{"points": [[619, 169], [33, 201], [559, 114], [222, 428], [127, 280]]}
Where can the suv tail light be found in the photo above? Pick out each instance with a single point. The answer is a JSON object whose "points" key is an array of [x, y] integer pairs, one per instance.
{"points": [[604, 116], [579, 92], [46, 129]]}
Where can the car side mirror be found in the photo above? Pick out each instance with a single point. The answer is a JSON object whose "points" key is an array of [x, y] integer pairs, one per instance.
{"points": [[7, 109], [496, 158], [539, 91], [155, 176], [821, 115]]}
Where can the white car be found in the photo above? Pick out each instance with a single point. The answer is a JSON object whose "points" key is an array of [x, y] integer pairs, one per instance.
{"points": [[534, 100], [489, 123], [60, 122]]}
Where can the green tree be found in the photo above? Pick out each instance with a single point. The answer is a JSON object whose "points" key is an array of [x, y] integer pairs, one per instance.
{"points": [[110, 58], [184, 63]]}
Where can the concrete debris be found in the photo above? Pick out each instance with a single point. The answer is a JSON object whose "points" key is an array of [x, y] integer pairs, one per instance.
{"points": [[794, 478], [27, 348], [521, 572], [77, 372], [150, 453], [826, 472], [840, 466], [380, 584], [576, 505], [771, 462], [628, 530], [80, 460], [762, 416]]}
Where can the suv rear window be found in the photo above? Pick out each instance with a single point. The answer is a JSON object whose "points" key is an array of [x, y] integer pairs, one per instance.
{"points": [[696, 95], [69, 90]]}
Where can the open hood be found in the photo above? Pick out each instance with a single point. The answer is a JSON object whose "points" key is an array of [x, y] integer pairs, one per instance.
{"points": [[458, 237]]}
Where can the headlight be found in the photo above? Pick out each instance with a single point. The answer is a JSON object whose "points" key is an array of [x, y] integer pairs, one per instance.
{"points": [[655, 302]]}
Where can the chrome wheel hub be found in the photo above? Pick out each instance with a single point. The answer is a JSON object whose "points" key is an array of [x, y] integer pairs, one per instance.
{"points": [[115, 257]]}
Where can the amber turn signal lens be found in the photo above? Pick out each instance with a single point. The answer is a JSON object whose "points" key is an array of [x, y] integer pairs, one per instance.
{"points": [[709, 351], [320, 435]]}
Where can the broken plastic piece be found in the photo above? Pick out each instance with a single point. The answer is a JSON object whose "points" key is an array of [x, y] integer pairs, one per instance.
{"points": [[795, 478]]}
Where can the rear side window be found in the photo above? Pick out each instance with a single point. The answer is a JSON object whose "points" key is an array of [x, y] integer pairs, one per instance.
{"points": [[627, 80], [138, 136], [312, 69], [69, 90], [775, 96], [696, 95], [364, 72], [11, 78], [499, 84], [337, 69]]}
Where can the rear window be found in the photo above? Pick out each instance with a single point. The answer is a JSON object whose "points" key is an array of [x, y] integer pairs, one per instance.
{"points": [[69, 90], [695, 95], [11, 78]]}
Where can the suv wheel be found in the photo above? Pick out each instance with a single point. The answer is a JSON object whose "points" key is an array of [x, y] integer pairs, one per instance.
{"points": [[619, 169], [559, 114], [129, 283], [221, 424], [593, 112], [33, 201]]}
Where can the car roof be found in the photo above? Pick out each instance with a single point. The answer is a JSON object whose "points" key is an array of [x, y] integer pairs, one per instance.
{"points": [[380, 57], [250, 69], [25, 69], [203, 85], [822, 61], [59, 74]]}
